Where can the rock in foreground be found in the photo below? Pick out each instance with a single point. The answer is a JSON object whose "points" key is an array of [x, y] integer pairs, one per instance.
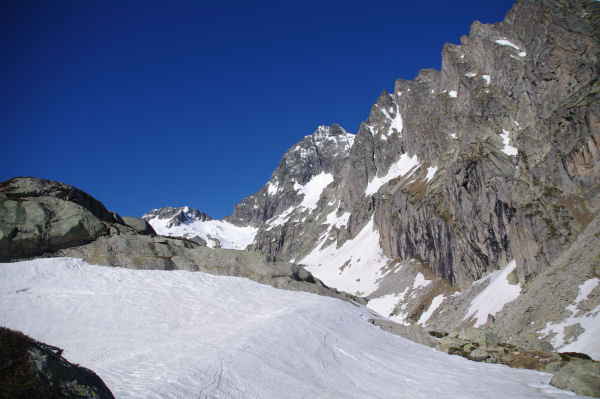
{"points": [[30, 369]]}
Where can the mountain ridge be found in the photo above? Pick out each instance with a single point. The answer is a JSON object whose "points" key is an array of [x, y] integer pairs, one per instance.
{"points": [[494, 158]]}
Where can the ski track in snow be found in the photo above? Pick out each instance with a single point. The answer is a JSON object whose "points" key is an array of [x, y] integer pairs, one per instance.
{"points": [[178, 334]]}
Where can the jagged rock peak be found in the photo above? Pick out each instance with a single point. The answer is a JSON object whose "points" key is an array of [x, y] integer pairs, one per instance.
{"points": [[322, 155], [314, 154], [179, 215], [324, 131]]}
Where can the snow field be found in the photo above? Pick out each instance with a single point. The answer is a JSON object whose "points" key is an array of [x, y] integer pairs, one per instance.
{"points": [[355, 267], [177, 334], [493, 298], [230, 235]]}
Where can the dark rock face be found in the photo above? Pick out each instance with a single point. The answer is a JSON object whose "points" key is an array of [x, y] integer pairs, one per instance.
{"points": [[521, 78], [31, 369]]}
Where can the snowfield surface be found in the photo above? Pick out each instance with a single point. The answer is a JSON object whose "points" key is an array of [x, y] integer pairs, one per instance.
{"points": [[355, 267], [492, 299], [177, 334], [230, 235]]}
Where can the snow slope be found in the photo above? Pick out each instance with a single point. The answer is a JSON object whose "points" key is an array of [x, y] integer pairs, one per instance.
{"points": [[312, 190], [229, 235], [177, 334], [492, 299], [355, 267]]}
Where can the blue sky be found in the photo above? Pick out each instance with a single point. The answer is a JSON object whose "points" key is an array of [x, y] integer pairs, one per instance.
{"points": [[145, 104]]}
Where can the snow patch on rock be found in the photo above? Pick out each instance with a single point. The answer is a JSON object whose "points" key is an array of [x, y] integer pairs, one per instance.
{"points": [[435, 303], [586, 342], [403, 166], [505, 42], [313, 189], [431, 171], [280, 219], [492, 299], [508, 149]]}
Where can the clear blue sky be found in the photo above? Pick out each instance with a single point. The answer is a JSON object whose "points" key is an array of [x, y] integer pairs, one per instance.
{"points": [[145, 104]]}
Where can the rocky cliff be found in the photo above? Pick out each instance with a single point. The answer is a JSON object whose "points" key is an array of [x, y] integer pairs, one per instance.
{"points": [[500, 149]]}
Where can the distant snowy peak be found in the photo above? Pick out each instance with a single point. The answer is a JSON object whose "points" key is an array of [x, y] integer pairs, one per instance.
{"points": [[197, 226], [177, 216]]}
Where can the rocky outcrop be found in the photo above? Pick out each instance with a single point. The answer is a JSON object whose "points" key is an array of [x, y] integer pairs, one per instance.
{"points": [[30, 226], [572, 371], [581, 376], [139, 225], [31, 369], [413, 333], [39, 216], [166, 253], [32, 187]]}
